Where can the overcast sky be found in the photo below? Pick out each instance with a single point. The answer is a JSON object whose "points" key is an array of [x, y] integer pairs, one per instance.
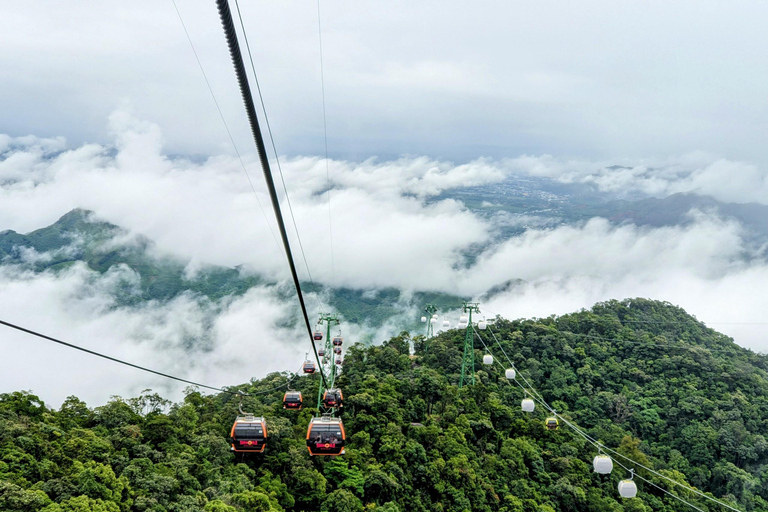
{"points": [[456, 80], [103, 107]]}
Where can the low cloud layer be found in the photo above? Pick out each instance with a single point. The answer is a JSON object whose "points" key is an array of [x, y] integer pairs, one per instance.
{"points": [[698, 173], [388, 230]]}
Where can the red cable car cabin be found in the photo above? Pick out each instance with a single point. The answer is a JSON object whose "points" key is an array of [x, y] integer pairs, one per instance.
{"points": [[292, 400], [309, 367], [333, 398], [249, 434], [326, 436]]}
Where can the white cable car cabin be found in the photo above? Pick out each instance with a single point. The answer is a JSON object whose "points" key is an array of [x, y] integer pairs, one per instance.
{"points": [[602, 464], [463, 319], [292, 400], [446, 324], [528, 404], [482, 325], [627, 489], [510, 373], [424, 319], [488, 359], [326, 436], [249, 434], [433, 320]]}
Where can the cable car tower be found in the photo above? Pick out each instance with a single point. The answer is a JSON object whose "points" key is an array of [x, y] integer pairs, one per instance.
{"points": [[430, 319], [327, 356], [468, 359]]}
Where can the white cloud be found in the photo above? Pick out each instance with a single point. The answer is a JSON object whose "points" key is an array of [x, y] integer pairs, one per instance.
{"points": [[695, 173], [387, 231], [217, 343]]}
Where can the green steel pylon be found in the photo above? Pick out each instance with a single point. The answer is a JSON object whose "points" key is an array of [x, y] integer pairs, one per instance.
{"points": [[468, 360], [327, 363], [429, 310]]}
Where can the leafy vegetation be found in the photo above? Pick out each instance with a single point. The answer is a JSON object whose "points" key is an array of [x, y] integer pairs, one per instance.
{"points": [[641, 376]]}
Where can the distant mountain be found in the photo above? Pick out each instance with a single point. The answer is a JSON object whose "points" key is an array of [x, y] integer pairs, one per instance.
{"points": [[673, 210], [79, 237]]}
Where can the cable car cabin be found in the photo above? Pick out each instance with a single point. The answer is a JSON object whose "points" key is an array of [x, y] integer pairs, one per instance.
{"points": [[249, 434], [337, 341], [627, 489], [333, 398], [528, 404], [292, 400], [326, 436], [309, 367], [552, 423], [321, 352], [317, 336], [337, 350]]}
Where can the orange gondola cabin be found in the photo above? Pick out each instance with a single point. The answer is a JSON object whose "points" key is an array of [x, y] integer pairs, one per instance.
{"points": [[326, 436], [333, 398], [249, 434], [292, 400]]}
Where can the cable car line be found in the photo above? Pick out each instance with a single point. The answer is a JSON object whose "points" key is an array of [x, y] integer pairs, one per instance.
{"points": [[226, 126], [325, 135], [120, 361], [242, 78], [272, 139], [599, 445]]}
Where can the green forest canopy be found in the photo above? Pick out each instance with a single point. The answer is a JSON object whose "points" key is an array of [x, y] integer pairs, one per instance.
{"points": [[643, 377]]}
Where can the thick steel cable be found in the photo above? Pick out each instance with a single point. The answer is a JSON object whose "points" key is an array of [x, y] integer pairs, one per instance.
{"points": [[224, 121], [272, 139], [325, 134], [120, 361], [600, 445], [245, 90]]}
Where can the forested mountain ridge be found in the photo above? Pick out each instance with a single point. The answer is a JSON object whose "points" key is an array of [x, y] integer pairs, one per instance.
{"points": [[641, 376], [78, 237]]}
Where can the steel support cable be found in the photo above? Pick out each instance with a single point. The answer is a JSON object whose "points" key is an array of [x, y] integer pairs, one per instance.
{"points": [[245, 90], [533, 390], [635, 475], [599, 445], [116, 360], [226, 126], [325, 134], [271, 138]]}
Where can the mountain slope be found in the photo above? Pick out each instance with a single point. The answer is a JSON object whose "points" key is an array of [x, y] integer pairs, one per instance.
{"points": [[641, 376], [78, 237]]}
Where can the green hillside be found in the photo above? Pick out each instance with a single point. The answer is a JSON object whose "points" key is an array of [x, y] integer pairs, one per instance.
{"points": [[77, 237], [643, 377]]}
